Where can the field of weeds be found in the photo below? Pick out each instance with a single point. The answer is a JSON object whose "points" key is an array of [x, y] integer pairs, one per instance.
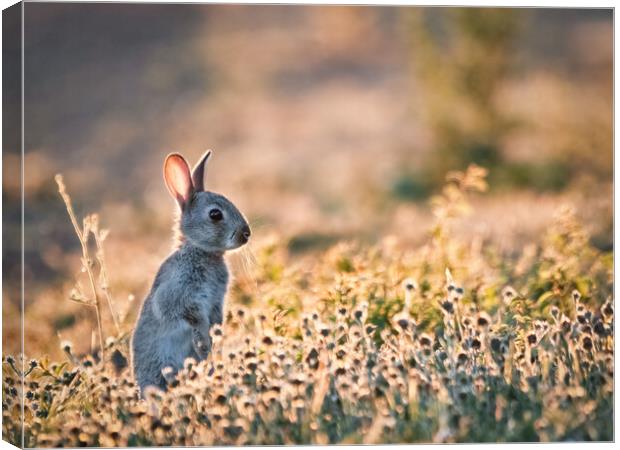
{"points": [[450, 341]]}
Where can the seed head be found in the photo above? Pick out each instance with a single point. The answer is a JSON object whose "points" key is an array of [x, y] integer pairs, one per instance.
{"points": [[581, 318], [586, 343], [483, 320], [370, 329], [447, 306], [607, 310], [462, 358], [555, 312], [410, 285], [403, 323], [476, 344], [425, 340], [508, 294], [67, 347], [599, 328], [566, 325]]}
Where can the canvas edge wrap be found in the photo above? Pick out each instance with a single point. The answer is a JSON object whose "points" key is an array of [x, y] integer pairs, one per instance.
{"points": [[12, 171]]}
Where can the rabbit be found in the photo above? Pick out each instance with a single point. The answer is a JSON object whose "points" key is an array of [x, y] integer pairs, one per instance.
{"points": [[187, 295]]}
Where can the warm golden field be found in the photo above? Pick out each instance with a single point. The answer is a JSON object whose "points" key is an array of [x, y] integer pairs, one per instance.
{"points": [[448, 342]]}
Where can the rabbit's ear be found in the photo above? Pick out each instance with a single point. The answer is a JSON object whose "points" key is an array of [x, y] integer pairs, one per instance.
{"points": [[198, 174], [178, 181]]}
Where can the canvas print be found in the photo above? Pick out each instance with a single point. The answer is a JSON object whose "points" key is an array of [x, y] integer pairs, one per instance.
{"points": [[230, 224]]}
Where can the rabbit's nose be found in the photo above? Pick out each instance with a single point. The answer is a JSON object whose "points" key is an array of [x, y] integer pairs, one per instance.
{"points": [[245, 233]]}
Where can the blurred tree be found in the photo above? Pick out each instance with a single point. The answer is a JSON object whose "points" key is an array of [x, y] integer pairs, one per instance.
{"points": [[460, 57]]}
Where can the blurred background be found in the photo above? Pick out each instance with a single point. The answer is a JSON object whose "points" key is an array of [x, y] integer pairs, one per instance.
{"points": [[327, 124]]}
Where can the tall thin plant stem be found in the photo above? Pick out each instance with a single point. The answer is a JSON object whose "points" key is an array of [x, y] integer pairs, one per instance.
{"points": [[86, 260], [103, 274]]}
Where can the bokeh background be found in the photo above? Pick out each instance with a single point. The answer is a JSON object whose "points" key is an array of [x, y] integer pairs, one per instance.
{"points": [[327, 124]]}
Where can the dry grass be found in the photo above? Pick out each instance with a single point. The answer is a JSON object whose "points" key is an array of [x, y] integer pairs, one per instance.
{"points": [[451, 341]]}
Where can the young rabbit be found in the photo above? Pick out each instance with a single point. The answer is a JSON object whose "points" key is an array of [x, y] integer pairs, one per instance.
{"points": [[188, 292]]}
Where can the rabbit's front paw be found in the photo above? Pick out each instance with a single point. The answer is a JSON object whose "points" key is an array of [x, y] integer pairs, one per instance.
{"points": [[202, 345]]}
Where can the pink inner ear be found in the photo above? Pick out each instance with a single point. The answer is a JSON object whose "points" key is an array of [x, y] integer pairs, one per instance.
{"points": [[178, 180]]}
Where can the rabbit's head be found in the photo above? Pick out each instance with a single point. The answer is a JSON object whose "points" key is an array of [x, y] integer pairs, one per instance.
{"points": [[208, 220]]}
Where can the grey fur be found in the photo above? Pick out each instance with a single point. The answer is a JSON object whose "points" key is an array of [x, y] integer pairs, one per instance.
{"points": [[187, 296]]}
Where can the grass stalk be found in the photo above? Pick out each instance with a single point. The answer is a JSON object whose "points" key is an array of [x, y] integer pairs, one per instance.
{"points": [[82, 235], [103, 274]]}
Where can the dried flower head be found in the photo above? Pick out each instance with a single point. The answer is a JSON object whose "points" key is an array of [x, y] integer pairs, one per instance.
{"points": [[483, 320], [607, 310], [410, 285], [586, 343], [508, 294]]}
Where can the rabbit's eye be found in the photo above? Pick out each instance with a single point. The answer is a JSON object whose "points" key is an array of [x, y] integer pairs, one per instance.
{"points": [[216, 215]]}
